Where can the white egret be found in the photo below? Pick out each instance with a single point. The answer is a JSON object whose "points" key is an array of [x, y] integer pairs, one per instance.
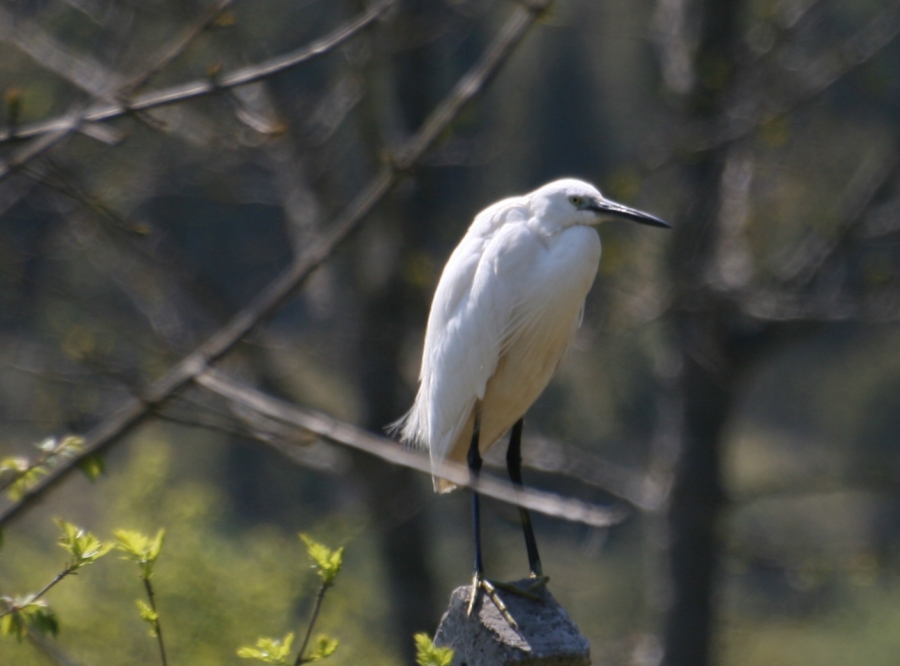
{"points": [[505, 311]]}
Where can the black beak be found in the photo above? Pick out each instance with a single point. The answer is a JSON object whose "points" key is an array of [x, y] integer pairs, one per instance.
{"points": [[613, 209]]}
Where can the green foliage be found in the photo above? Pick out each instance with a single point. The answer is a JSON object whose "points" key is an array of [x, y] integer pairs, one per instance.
{"points": [[30, 612], [27, 614], [19, 474], [270, 650], [225, 585], [93, 467], [145, 551], [83, 546], [326, 562], [141, 549], [149, 616], [12, 466], [429, 655], [322, 648]]}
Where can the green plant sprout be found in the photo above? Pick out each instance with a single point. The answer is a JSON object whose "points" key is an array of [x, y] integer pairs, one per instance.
{"points": [[327, 563], [30, 612], [269, 650], [429, 655], [18, 474], [145, 551], [26, 614]]}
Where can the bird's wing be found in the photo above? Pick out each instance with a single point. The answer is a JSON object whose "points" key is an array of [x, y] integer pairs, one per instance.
{"points": [[471, 315], [465, 332]]}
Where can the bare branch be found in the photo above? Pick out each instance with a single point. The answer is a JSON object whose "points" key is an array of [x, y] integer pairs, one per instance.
{"points": [[41, 145], [861, 192], [812, 81], [176, 48], [205, 87], [52, 132], [791, 301], [548, 456], [86, 73], [270, 299], [344, 433], [301, 447]]}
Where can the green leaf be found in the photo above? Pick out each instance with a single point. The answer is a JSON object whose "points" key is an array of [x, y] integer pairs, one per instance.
{"points": [[71, 445], [141, 549], [27, 615], [43, 619], [27, 479], [93, 467], [13, 625], [322, 648], [14, 465], [149, 616], [327, 562], [84, 547], [67, 447], [156, 546], [429, 655], [26, 474], [269, 650]]}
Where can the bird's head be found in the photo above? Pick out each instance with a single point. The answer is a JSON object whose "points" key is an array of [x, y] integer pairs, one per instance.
{"points": [[569, 201]]}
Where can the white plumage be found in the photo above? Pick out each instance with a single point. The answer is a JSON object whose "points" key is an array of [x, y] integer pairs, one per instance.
{"points": [[505, 311]]}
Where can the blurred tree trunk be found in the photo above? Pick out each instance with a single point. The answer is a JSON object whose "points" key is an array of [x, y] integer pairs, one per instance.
{"points": [[696, 498], [703, 333], [392, 306]]}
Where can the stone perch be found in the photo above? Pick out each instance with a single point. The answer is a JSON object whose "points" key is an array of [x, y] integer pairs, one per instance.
{"points": [[545, 636]]}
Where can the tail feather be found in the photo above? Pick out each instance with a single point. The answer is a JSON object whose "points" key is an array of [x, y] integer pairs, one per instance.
{"points": [[412, 429], [443, 486]]}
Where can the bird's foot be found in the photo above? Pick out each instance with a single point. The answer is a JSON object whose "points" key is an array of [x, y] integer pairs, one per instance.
{"points": [[482, 584], [490, 587], [536, 583]]}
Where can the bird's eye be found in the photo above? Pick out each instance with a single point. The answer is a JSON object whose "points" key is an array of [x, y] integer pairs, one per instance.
{"points": [[576, 201]]}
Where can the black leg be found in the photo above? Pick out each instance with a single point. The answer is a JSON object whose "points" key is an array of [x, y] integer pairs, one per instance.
{"points": [[514, 466], [479, 582], [474, 461]]}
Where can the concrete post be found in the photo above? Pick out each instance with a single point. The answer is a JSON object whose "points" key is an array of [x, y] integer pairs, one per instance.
{"points": [[545, 635]]}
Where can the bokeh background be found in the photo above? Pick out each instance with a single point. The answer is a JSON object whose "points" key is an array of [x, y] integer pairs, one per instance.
{"points": [[734, 384]]}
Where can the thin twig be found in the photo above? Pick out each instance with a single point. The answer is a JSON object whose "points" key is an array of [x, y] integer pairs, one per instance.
{"points": [[50, 133], [172, 51], [857, 202], [84, 72], [204, 87], [176, 48], [75, 119], [156, 626], [320, 595], [305, 450], [277, 292], [12, 608], [41, 145], [856, 51]]}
